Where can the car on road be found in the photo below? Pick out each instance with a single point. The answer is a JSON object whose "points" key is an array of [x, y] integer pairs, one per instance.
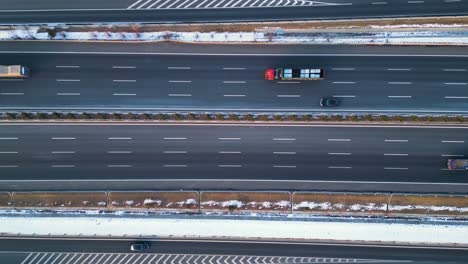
{"points": [[140, 246], [329, 101]]}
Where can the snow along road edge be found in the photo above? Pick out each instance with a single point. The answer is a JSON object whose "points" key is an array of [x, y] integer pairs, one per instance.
{"points": [[211, 228]]}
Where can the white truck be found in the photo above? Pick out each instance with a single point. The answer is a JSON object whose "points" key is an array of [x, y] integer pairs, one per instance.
{"points": [[13, 71], [457, 164]]}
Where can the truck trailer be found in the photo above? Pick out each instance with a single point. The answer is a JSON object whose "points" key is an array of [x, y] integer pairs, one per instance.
{"points": [[13, 71], [457, 164], [294, 74]]}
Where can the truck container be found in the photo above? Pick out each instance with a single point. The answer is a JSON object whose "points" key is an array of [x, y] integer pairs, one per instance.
{"points": [[294, 74], [457, 164], [13, 71]]}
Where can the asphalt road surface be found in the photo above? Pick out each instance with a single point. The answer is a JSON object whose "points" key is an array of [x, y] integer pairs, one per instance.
{"points": [[191, 152], [396, 82], [158, 11], [82, 251]]}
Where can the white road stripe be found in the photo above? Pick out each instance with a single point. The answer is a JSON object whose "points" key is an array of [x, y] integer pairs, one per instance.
{"points": [[119, 152], [379, 3], [63, 166], [9, 166], [175, 166], [63, 152], [345, 96], [67, 66], [8, 152], [230, 152], [456, 97], [175, 152], [123, 67], [339, 167], [9, 138], [180, 95], [120, 138], [399, 83], [234, 82], [455, 83], [288, 95], [119, 166], [180, 81], [124, 80], [67, 80], [284, 153], [284, 139], [395, 154], [229, 166], [229, 138], [453, 141], [395, 168], [396, 140], [288, 82], [399, 96], [285, 166], [344, 82], [12, 80], [233, 69], [415, 2], [339, 139], [63, 138], [11, 93], [124, 94], [175, 138], [179, 68], [343, 69], [398, 69], [68, 94], [339, 153], [452, 155], [234, 95], [455, 70]]}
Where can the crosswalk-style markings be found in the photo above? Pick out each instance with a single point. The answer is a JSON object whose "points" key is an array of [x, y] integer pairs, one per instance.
{"points": [[184, 4], [143, 258]]}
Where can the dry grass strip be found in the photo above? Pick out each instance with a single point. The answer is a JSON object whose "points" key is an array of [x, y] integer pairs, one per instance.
{"points": [[84, 200], [339, 203], [184, 201], [429, 205], [245, 201]]}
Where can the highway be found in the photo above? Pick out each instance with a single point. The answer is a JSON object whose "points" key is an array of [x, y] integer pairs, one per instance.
{"points": [[157, 11], [127, 152], [95, 251], [78, 77]]}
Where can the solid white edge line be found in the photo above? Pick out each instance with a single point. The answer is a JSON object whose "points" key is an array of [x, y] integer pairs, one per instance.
{"points": [[240, 54], [239, 180], [232, 241], [230, 125]]}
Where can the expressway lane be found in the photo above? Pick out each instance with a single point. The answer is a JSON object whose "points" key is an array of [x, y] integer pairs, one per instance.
{"points": [[53, 11], [191, 82], [221, 152], [102, 251]]}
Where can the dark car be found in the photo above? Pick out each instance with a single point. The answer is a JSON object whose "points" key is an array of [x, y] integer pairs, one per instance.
{"points": [[139, 246], [329, 101]]}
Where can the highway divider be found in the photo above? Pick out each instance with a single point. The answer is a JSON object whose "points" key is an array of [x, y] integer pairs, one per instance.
{"points": [[231, 117], [419, 31], [222, 202]]}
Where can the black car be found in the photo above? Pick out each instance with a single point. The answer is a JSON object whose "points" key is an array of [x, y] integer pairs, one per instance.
{"points": [[329, 101], [139, 246]]}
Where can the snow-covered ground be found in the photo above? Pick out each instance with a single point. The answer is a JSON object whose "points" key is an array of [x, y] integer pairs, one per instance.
{"points": [[421, 36], [116, 226]]}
